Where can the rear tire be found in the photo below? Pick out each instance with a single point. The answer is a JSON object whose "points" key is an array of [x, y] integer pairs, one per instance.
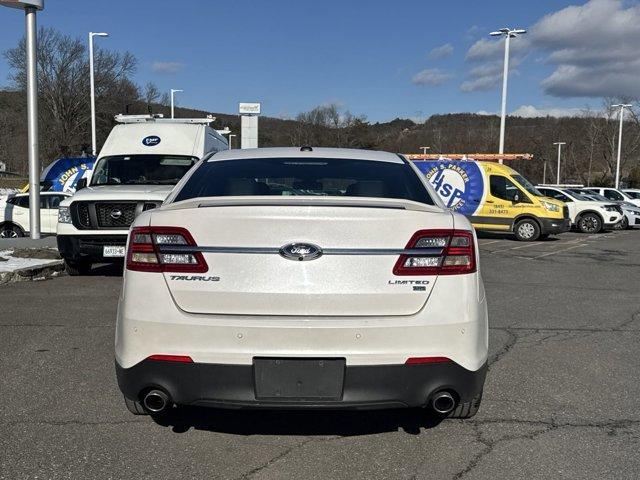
{"points": [[77, 268], [135, 407], [11, 231], [527, 230], [467, 409], [590, 223]]}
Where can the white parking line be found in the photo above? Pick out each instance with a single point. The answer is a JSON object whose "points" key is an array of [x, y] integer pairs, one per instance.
{"points": [[532, 244], [489, 243], [558, 251]]}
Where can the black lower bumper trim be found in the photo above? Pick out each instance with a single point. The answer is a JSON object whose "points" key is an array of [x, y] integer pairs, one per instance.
{"points": [[364, 387], [76, 248], [554, 226]]}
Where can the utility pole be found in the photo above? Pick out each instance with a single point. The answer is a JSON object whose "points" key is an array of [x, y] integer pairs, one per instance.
{"points": [[30, 8], [93, 89], [559, 144], [622, 107], [507, 33]]}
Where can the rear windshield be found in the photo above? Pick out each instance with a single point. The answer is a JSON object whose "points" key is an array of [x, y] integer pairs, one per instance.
{"points": [[292, 176], [141, 169]]}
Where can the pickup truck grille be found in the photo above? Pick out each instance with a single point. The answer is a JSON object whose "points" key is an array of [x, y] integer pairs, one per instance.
{"points": [[107, 215], [115, 214]]}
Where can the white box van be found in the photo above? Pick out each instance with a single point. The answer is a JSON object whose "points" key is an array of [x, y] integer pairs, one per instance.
{"points": [[140, 163]]}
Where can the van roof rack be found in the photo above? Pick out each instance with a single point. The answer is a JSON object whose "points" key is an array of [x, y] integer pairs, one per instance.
{"points": [[159, 118]]}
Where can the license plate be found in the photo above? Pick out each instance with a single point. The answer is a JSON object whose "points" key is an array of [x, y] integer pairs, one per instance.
{"points": [[287, 379], [113, 251]]}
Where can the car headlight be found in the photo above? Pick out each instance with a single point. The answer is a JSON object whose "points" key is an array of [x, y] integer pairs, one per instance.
{"points": [[64, 215], [610, 208], [551, 207]]}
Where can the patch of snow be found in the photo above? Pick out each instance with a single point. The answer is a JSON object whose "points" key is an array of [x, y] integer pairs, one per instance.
{"points": [[13, 264]]}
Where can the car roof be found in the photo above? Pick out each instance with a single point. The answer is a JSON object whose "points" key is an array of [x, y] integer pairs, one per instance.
{"points": [[43, 193], [306, 152]]}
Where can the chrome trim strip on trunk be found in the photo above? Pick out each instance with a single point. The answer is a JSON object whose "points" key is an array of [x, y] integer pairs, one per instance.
{"points": [[433, 252]]}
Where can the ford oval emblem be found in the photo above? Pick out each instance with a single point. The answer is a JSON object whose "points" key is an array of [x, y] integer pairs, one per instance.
{"points": [[301, 251], [151, 140]]}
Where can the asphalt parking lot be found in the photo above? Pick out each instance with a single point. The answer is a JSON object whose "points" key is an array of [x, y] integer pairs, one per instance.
{"points": [[561, 398]]}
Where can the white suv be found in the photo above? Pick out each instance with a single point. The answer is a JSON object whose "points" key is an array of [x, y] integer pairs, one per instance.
{"points": [[15, 208], [586, 215], [302, 278]]}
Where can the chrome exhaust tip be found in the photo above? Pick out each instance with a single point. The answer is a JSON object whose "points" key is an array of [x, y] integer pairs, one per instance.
{"points": [[156, 401], [443, 402]]}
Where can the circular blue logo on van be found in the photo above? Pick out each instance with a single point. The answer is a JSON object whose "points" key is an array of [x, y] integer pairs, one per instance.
{"points": [[151, 140], [459, 184]]}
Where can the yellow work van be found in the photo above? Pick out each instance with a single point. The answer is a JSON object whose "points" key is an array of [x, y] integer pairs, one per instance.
{"points": [[496, 198]]}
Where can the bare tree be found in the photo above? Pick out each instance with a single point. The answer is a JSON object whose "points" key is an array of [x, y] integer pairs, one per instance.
{"points": [[63, 83]]}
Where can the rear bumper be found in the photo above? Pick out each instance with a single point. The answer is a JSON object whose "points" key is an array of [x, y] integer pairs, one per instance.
{"points": [[554, 225], [364, 386], [88, 247]]}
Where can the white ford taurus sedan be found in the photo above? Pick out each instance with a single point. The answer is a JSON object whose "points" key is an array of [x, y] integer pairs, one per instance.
{"points": [[302, 278]]}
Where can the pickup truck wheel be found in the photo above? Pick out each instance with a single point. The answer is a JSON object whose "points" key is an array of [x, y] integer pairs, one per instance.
{"points": [[77, 268], [590, 223], [135, 407], [527, 230], [11, 231], [467, 409]]}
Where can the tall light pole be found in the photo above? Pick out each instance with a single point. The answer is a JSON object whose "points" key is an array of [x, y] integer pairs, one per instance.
{"points": [[424, 150], [622, 107], [173, 92], [93, 89], [231, 135], [508, 34], [559, 153], [30, 8]]}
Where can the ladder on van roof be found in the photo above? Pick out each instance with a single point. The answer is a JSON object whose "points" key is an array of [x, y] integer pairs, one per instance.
{"points": [[159, 118]]}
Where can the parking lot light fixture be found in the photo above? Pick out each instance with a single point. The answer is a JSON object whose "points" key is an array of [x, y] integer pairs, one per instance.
{"points": [[559, 144], [508, 34], [30, 8], [173, 92], [93, 89], [622, 107], [424, 150]]}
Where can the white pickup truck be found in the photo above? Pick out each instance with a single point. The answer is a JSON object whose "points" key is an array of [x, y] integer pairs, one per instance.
{"points": [[140, 163]]}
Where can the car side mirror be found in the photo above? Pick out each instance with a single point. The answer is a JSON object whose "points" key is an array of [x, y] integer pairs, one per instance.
{"points": [[82, 183], [516, 198]]}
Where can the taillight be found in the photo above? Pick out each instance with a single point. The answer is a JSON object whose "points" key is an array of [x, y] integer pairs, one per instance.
{"points": [[423, 360], [170, 358], [438, 252], [150, 250]]}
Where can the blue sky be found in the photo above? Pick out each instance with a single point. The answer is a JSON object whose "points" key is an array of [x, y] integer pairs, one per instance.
{"points": [[372, 57]]}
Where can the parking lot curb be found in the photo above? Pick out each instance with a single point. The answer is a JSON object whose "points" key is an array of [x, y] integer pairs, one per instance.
{"points": [[34, 273]]}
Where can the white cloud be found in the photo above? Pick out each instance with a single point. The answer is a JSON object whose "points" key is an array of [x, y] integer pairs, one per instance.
{"points": [[529, 111], [594, 49], [431, 76], [167, 67], [441, 51], [492, 49], [487, 76]]}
